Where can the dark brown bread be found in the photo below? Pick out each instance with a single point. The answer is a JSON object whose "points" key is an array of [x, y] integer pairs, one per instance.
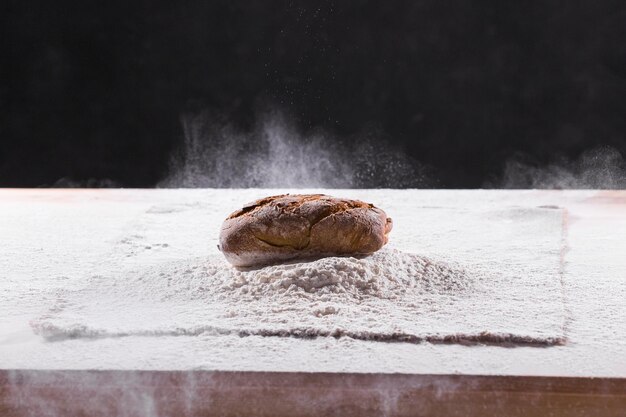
{"points": [[286, 227]]}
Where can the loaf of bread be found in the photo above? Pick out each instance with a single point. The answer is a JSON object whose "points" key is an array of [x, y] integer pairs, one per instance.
{"points": [[288, 227]]}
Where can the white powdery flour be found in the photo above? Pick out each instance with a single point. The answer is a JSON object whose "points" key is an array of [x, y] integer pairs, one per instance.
{"points": [[487, 276]]}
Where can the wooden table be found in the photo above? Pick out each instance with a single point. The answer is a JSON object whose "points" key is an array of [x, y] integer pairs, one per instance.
{"points": [[586, 377], [202, 393]]}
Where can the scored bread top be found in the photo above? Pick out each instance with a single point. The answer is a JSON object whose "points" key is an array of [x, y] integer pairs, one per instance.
{"points": [[297, 203]]}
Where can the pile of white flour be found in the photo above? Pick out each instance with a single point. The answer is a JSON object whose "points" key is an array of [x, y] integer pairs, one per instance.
{"points": [[471, 282]]}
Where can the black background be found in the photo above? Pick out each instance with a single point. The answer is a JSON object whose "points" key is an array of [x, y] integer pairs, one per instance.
{"points": [[96, 89]]}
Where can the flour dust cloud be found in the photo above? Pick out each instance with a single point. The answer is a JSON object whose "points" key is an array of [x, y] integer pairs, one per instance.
{"points": [[275, 154], [598, 168]]}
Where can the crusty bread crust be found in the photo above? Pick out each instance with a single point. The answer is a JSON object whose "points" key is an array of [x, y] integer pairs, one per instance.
{"points": [[286, 227]]}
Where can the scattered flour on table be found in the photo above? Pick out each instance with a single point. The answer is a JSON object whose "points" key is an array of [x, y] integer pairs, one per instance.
{"points": [[473, 280], [390, 295]]}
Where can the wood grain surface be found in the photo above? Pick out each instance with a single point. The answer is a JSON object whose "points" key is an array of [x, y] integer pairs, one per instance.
{"points": [[205, 393]]}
